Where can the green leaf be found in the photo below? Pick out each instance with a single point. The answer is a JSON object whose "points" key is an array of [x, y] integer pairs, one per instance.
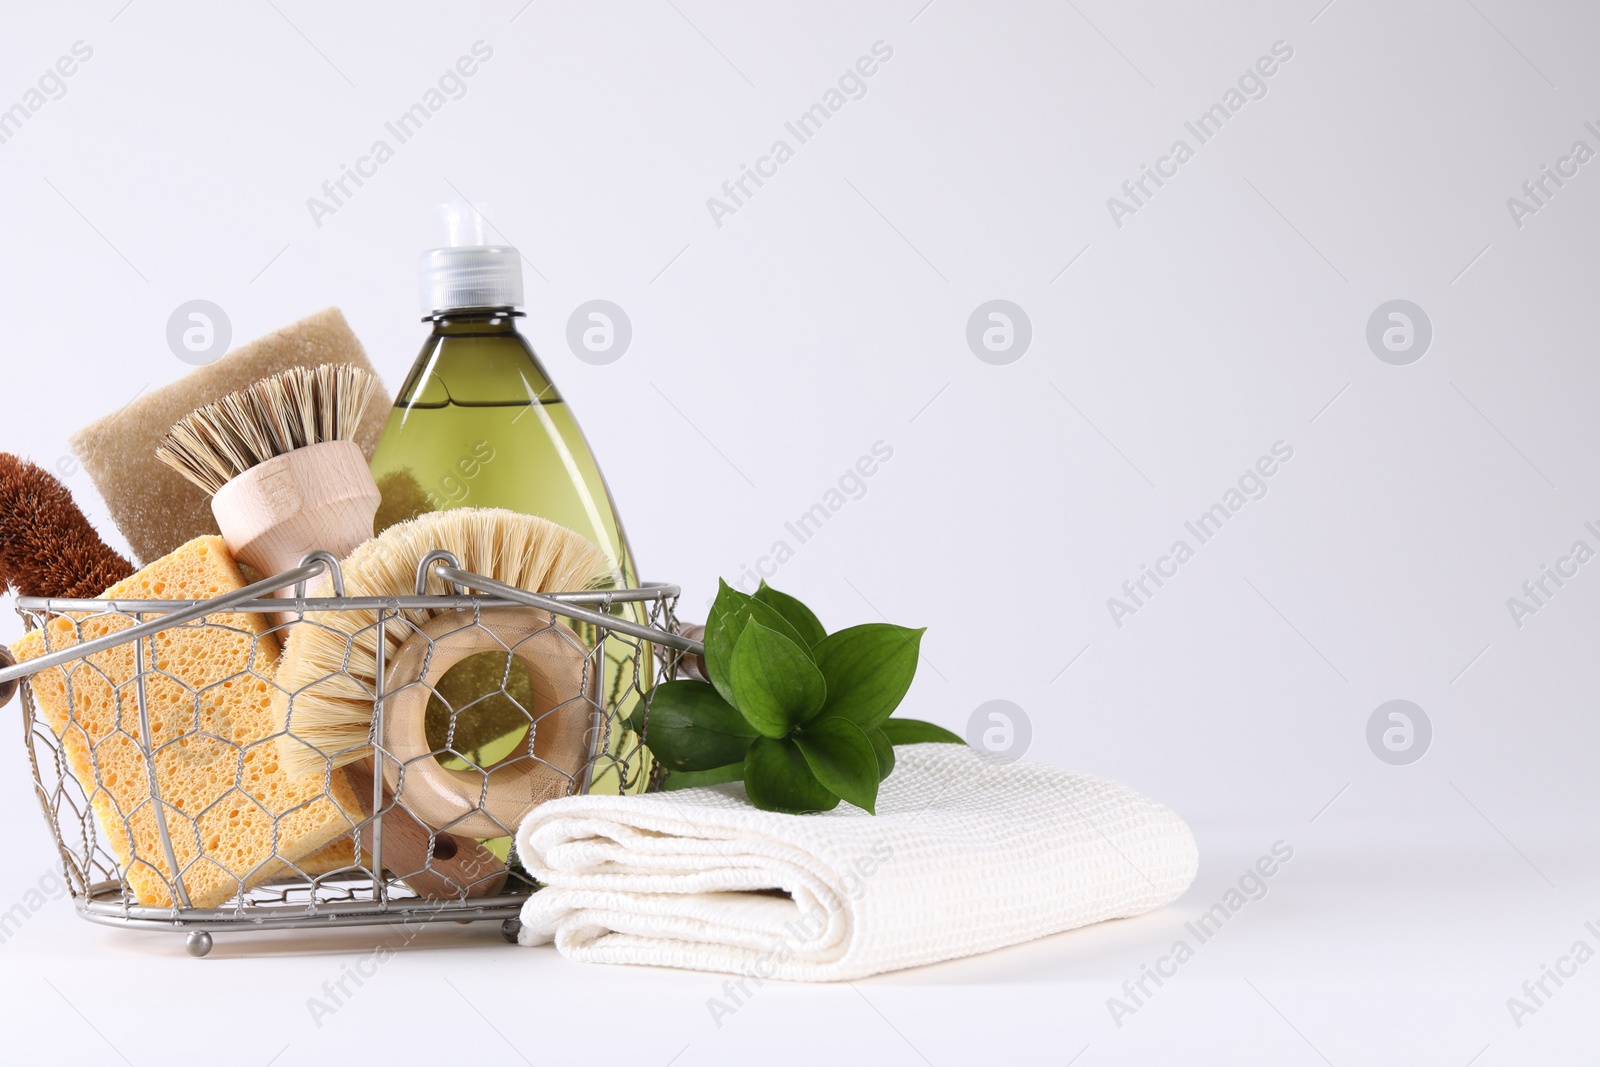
{"points": [[868, 670], [842, 758], [775, 685], [915, 732], [730, 612], [806, 624], [733, 772], [692, 728], [777, 778], [883, 748]]}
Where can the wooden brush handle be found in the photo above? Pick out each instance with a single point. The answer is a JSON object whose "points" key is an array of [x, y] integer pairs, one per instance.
{"points": [[434, 866], [317, 498], [693, 666], [563, 735], [7, 689]]}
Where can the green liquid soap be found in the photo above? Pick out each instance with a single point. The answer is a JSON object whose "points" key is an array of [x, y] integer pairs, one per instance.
{"points": [[478, 423]]}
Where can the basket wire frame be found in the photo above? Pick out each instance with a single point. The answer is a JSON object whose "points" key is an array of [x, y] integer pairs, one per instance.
{"points": [[630, 640]]}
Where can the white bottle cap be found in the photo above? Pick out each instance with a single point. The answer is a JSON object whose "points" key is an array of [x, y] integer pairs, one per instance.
{"points": [[470, 273]]}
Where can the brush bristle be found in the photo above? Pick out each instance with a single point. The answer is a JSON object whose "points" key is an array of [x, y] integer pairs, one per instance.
{"points": [[329, 671], [47, 547], [302, 406]]}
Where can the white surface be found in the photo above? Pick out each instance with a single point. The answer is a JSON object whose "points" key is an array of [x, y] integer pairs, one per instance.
{"points": [[829, 313], [1395, 950], [965, 854]]}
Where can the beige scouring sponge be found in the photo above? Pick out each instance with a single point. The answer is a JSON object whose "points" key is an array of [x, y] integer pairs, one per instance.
{"points": [[156, 509]]}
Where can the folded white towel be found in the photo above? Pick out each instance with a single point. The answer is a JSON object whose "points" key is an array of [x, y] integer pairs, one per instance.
{"points": [[965, 855]]}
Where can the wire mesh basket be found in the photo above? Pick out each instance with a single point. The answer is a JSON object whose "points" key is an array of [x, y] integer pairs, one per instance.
{"points": [[159, 738]]}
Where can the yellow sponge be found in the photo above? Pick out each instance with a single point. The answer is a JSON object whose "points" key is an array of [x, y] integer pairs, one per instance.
{"points": [[233, 817], [158, 510]]}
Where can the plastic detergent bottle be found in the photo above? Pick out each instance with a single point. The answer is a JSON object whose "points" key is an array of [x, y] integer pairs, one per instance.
{"points": [[478, 423]]}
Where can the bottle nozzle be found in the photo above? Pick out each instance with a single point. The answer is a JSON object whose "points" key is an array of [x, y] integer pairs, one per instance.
{"points": [[463, 224], [469, 272]]}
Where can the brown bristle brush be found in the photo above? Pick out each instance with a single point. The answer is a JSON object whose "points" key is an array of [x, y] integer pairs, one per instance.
{"points": [[47, 547]]}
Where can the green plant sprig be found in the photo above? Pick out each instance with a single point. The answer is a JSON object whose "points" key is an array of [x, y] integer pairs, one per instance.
{"points": [[800, 715]]}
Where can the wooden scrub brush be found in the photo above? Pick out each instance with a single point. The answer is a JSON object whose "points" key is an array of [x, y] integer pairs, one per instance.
{"points": [[330, 671], [284, 475]]}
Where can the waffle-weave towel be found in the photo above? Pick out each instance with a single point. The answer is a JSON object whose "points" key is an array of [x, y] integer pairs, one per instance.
{"points": [[966, 854]]}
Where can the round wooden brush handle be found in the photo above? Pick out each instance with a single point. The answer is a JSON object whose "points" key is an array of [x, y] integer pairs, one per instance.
{"points": [[435, 866], [317, 498], [566, 694]]}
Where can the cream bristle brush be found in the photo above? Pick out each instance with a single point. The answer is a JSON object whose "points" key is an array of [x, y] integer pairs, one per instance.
{"points": [[284, 475], [331, 669]]}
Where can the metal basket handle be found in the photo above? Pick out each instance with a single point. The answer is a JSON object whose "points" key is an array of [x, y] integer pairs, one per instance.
{"points": [[314, 565], [179, 617], [467, 579]]}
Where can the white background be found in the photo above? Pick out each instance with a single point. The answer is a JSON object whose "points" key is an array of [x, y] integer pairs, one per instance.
{"points": [[829, 312]]}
